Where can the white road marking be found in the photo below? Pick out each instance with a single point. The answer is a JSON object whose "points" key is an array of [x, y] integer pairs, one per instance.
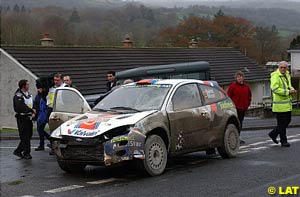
{"points": [[103, 181], [242, 147], [258, 143], [259, 148], [294, 140], [244, 151], [63, 189], [268, 143], [27, 196]]}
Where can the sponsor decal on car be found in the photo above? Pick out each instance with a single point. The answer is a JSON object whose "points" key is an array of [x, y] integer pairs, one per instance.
{"points": [[86, 129], [226, 105], [89, 125], [213, 107], [82, 132], [119, 139], [135, 143]]}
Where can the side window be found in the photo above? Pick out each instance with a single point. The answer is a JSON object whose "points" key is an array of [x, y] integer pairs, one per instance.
{"points": [[211, 94], [68, 101], [186, 97]]}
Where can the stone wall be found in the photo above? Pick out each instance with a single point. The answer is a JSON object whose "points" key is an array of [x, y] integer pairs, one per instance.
{"points": [[260, 112], [11, 72]]}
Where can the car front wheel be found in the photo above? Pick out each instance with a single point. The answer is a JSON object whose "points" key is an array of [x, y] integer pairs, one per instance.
{"points": [[231, 144], [155, 155]]}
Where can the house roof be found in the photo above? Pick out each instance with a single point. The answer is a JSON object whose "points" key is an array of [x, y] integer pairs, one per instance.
{"points": [[88, 66], [295, 48]]}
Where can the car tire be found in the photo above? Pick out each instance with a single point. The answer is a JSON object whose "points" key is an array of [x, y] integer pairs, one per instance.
{"points": [[231, 144], [71, 167], [156, 155]]}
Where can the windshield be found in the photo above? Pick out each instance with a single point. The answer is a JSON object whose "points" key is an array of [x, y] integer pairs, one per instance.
{"points": [[135, 98]]}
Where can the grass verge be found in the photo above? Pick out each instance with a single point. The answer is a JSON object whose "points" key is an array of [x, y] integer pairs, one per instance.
{"points": [[296, 112], [8, 130]]}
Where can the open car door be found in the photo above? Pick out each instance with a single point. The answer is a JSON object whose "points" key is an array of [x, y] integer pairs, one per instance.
{"points": [[68, 103]]}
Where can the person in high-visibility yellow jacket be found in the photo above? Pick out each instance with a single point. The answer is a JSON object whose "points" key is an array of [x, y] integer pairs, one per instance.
{"points": [[282, 91]]}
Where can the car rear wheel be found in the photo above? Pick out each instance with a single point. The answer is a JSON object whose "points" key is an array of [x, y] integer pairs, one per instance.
{"points": [[155, 155], [71, 167], [231, 144]]}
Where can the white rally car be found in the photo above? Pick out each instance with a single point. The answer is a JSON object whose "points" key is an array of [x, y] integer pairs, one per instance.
{"points": [[145, 121]]}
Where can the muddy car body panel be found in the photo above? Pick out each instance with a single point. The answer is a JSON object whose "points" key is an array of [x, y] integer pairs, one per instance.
{"points": [[146, 119]]}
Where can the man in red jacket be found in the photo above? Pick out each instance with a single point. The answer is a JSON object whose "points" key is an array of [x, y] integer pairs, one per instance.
{"points": [[240, 94]]}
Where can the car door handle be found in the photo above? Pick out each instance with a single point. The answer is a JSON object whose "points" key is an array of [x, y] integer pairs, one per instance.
{"points": [[205, 114]]}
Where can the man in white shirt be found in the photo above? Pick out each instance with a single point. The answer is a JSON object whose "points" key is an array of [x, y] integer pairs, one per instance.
{"points": [[58, 83]]}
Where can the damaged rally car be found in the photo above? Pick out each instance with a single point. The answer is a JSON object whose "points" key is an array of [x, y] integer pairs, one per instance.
{"points": [[146, 121]]}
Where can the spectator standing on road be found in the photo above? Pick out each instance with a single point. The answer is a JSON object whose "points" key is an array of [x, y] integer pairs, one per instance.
{"points": [[39, 104], [282, 92], [112, 81], [240, 93], [22, 103], [58, 83]]}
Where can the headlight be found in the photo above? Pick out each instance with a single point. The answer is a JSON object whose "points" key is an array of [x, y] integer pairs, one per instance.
{"points": [[56, 133], [123, 130]]}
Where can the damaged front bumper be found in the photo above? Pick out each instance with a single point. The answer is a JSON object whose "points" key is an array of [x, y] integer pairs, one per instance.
{"points": [[99, 150]]}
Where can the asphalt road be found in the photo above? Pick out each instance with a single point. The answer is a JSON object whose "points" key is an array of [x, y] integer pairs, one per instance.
{"points": [[259, 165]]}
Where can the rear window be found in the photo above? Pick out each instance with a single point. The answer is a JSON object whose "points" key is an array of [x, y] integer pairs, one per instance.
{"points": [[211, 94]]}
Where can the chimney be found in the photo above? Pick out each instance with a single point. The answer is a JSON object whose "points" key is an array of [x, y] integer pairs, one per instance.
{"points": [[127, 43], [193, 44], [46, 41]]}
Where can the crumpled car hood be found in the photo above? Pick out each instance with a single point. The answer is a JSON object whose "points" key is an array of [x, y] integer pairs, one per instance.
{"points": [[92, 124]]}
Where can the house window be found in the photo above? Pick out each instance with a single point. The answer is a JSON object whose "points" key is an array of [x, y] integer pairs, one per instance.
{"points": [[266, 89]]}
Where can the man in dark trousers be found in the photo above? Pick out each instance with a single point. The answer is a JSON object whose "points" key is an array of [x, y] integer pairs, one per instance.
{"points": [[282, 91], [22, 103], [112, 81], [41, 118]]}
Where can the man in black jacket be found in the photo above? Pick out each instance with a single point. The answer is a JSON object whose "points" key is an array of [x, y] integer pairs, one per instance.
{"points": [[22, 103], [112, 81]]}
